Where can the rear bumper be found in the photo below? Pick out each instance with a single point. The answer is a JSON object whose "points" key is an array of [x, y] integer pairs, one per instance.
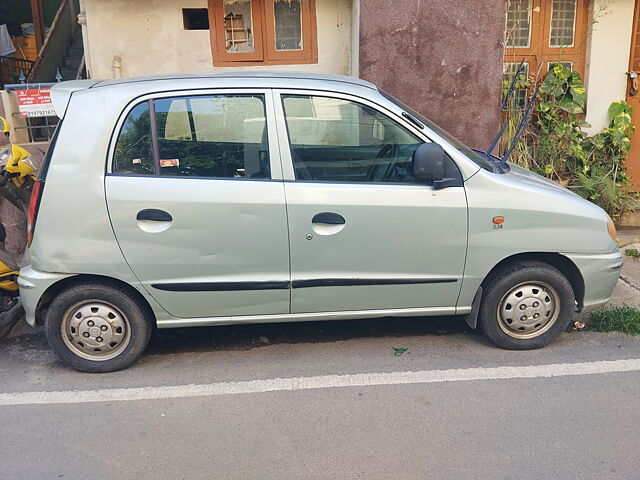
{"points": [[600, 273], [33, 284]]}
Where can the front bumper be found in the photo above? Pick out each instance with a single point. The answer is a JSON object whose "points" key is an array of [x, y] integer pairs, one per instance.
{"points": [[600, 273], [33, 284]]}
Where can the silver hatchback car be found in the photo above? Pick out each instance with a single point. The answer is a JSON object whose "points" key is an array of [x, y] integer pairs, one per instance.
{"points": [[214, 199]]}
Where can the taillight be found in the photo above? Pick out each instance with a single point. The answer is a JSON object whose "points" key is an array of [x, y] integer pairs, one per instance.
{"points": [[34, 204]]}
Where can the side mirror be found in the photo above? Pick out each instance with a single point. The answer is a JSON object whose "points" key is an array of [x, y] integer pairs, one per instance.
{"points": [[428, 162]]}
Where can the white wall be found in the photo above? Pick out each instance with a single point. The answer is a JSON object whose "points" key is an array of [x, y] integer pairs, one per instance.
{"points": [[149, 38], [607, 58]]}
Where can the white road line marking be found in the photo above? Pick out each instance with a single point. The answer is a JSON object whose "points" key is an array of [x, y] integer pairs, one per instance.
{"points": [[324, 381]]}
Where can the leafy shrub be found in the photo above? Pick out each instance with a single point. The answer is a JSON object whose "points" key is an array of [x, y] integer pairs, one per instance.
{"points": [[555, 145]]}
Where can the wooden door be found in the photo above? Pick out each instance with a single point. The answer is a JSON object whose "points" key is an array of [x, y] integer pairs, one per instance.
{"points": [[633, 97]]}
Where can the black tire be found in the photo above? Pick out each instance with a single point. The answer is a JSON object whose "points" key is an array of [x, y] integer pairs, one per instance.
{"points": [[132, 315], [520, 330], [10, 318]]}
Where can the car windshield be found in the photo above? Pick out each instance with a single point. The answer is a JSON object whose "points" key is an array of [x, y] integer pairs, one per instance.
{"points": [[480, 159]]}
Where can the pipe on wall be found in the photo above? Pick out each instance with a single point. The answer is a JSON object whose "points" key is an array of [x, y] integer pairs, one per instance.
{"points": [[354, 67], [82, 20], [116, 66]]}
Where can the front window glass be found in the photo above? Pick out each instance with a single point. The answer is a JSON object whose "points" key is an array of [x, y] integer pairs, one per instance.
{"points": [[213, 136], [238, 26], [133, 153], [342, 141], [288, 23]]}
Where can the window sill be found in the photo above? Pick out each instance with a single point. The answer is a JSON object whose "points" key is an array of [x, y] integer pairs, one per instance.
{"points": [[239, 63]]}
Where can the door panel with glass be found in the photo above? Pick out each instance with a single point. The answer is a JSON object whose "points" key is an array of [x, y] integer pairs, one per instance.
{"points": [[364, 234], [195, 208]]}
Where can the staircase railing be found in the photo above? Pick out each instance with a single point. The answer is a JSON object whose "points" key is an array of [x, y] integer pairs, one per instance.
{"points": [[14, 70], [81, 68], [52, 52]]}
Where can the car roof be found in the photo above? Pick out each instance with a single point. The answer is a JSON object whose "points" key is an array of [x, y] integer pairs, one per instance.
{"points": [[285, 77], [128, 88]]}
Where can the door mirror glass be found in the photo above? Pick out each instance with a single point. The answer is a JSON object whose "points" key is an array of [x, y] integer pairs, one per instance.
{"points": [[429, 163]]}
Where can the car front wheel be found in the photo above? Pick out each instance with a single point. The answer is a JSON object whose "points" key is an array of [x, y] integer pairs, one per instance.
{"points": [[526, 305]]}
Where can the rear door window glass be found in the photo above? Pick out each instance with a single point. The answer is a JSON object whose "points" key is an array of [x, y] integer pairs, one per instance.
{"points": [[221, 136], [134, 154]]}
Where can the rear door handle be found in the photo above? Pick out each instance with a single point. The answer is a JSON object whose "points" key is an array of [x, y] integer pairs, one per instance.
{"points": [[328, 218], [154, 215]]}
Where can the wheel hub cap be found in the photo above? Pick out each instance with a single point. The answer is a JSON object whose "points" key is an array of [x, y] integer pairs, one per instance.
{"points": [[528, 310], [95, 331]]}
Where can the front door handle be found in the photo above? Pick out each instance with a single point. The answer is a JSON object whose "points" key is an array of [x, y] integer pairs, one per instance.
{"points": [[328, 218], [154, 215]]}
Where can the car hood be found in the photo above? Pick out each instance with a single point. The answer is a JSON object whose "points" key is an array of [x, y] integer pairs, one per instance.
{"points": [[521, 174]]}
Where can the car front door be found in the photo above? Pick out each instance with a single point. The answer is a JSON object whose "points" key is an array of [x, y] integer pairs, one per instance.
{"points": [[364, 234], [196, 200]]}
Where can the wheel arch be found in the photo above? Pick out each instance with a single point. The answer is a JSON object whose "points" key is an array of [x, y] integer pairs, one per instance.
{"points": [[557, 260], [53, 290]]}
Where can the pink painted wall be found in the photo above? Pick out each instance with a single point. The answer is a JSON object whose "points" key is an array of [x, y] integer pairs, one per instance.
{"points": [[442, 57]]}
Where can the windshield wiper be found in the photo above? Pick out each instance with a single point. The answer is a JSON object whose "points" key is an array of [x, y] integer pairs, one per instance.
{"points": [[496, 162], [503, 106], [521, 126]]}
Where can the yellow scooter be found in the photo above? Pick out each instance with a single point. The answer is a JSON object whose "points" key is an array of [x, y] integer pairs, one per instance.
{"points": [[10, 306], [17, 174]]}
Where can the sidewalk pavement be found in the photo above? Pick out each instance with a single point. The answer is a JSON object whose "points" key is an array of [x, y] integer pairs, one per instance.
{"points": [[628, 289]]}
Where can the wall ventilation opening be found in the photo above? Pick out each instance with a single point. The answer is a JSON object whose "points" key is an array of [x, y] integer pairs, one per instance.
{"points": [[195, 18]]}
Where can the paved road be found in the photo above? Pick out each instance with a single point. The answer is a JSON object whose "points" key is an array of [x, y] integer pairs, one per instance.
{"points": [[453, 424]]}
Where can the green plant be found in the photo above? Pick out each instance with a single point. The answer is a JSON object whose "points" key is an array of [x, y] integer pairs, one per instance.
{"points": [[558, 131], [601, 174], [632, 252], [555, 145], [623, 319]]}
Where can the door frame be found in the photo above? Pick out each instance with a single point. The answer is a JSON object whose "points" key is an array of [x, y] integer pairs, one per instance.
{"points": [[633, 168], [283, 134]]}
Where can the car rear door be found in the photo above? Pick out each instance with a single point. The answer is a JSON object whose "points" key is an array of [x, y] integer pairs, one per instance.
{"points": [[364, 234], [196, 200]]}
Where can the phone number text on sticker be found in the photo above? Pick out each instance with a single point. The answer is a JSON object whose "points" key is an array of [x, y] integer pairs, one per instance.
{"points": [[35, 102]]}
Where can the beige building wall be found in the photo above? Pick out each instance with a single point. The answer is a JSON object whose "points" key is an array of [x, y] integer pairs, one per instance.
{"points": [[607, 58], [131, 38]]}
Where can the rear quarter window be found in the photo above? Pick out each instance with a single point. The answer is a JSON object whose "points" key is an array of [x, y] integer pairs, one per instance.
{"points": [[133, 153]]}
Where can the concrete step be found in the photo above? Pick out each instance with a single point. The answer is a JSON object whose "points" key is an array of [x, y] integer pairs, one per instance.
{"points": [[72, 62], [77, 41], [627, 236], [75, 51], [68, 73], [630, 220]]}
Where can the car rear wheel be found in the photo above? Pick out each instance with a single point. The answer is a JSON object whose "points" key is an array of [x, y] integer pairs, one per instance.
{"points": [[97, 328], [526, 305]]}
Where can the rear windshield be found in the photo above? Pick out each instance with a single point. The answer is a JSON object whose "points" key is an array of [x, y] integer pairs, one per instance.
{"points": [[476, 157]]}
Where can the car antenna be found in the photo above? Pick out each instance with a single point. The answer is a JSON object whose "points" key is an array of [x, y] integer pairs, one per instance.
{"points": [[523, 123], [505, 99]]}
